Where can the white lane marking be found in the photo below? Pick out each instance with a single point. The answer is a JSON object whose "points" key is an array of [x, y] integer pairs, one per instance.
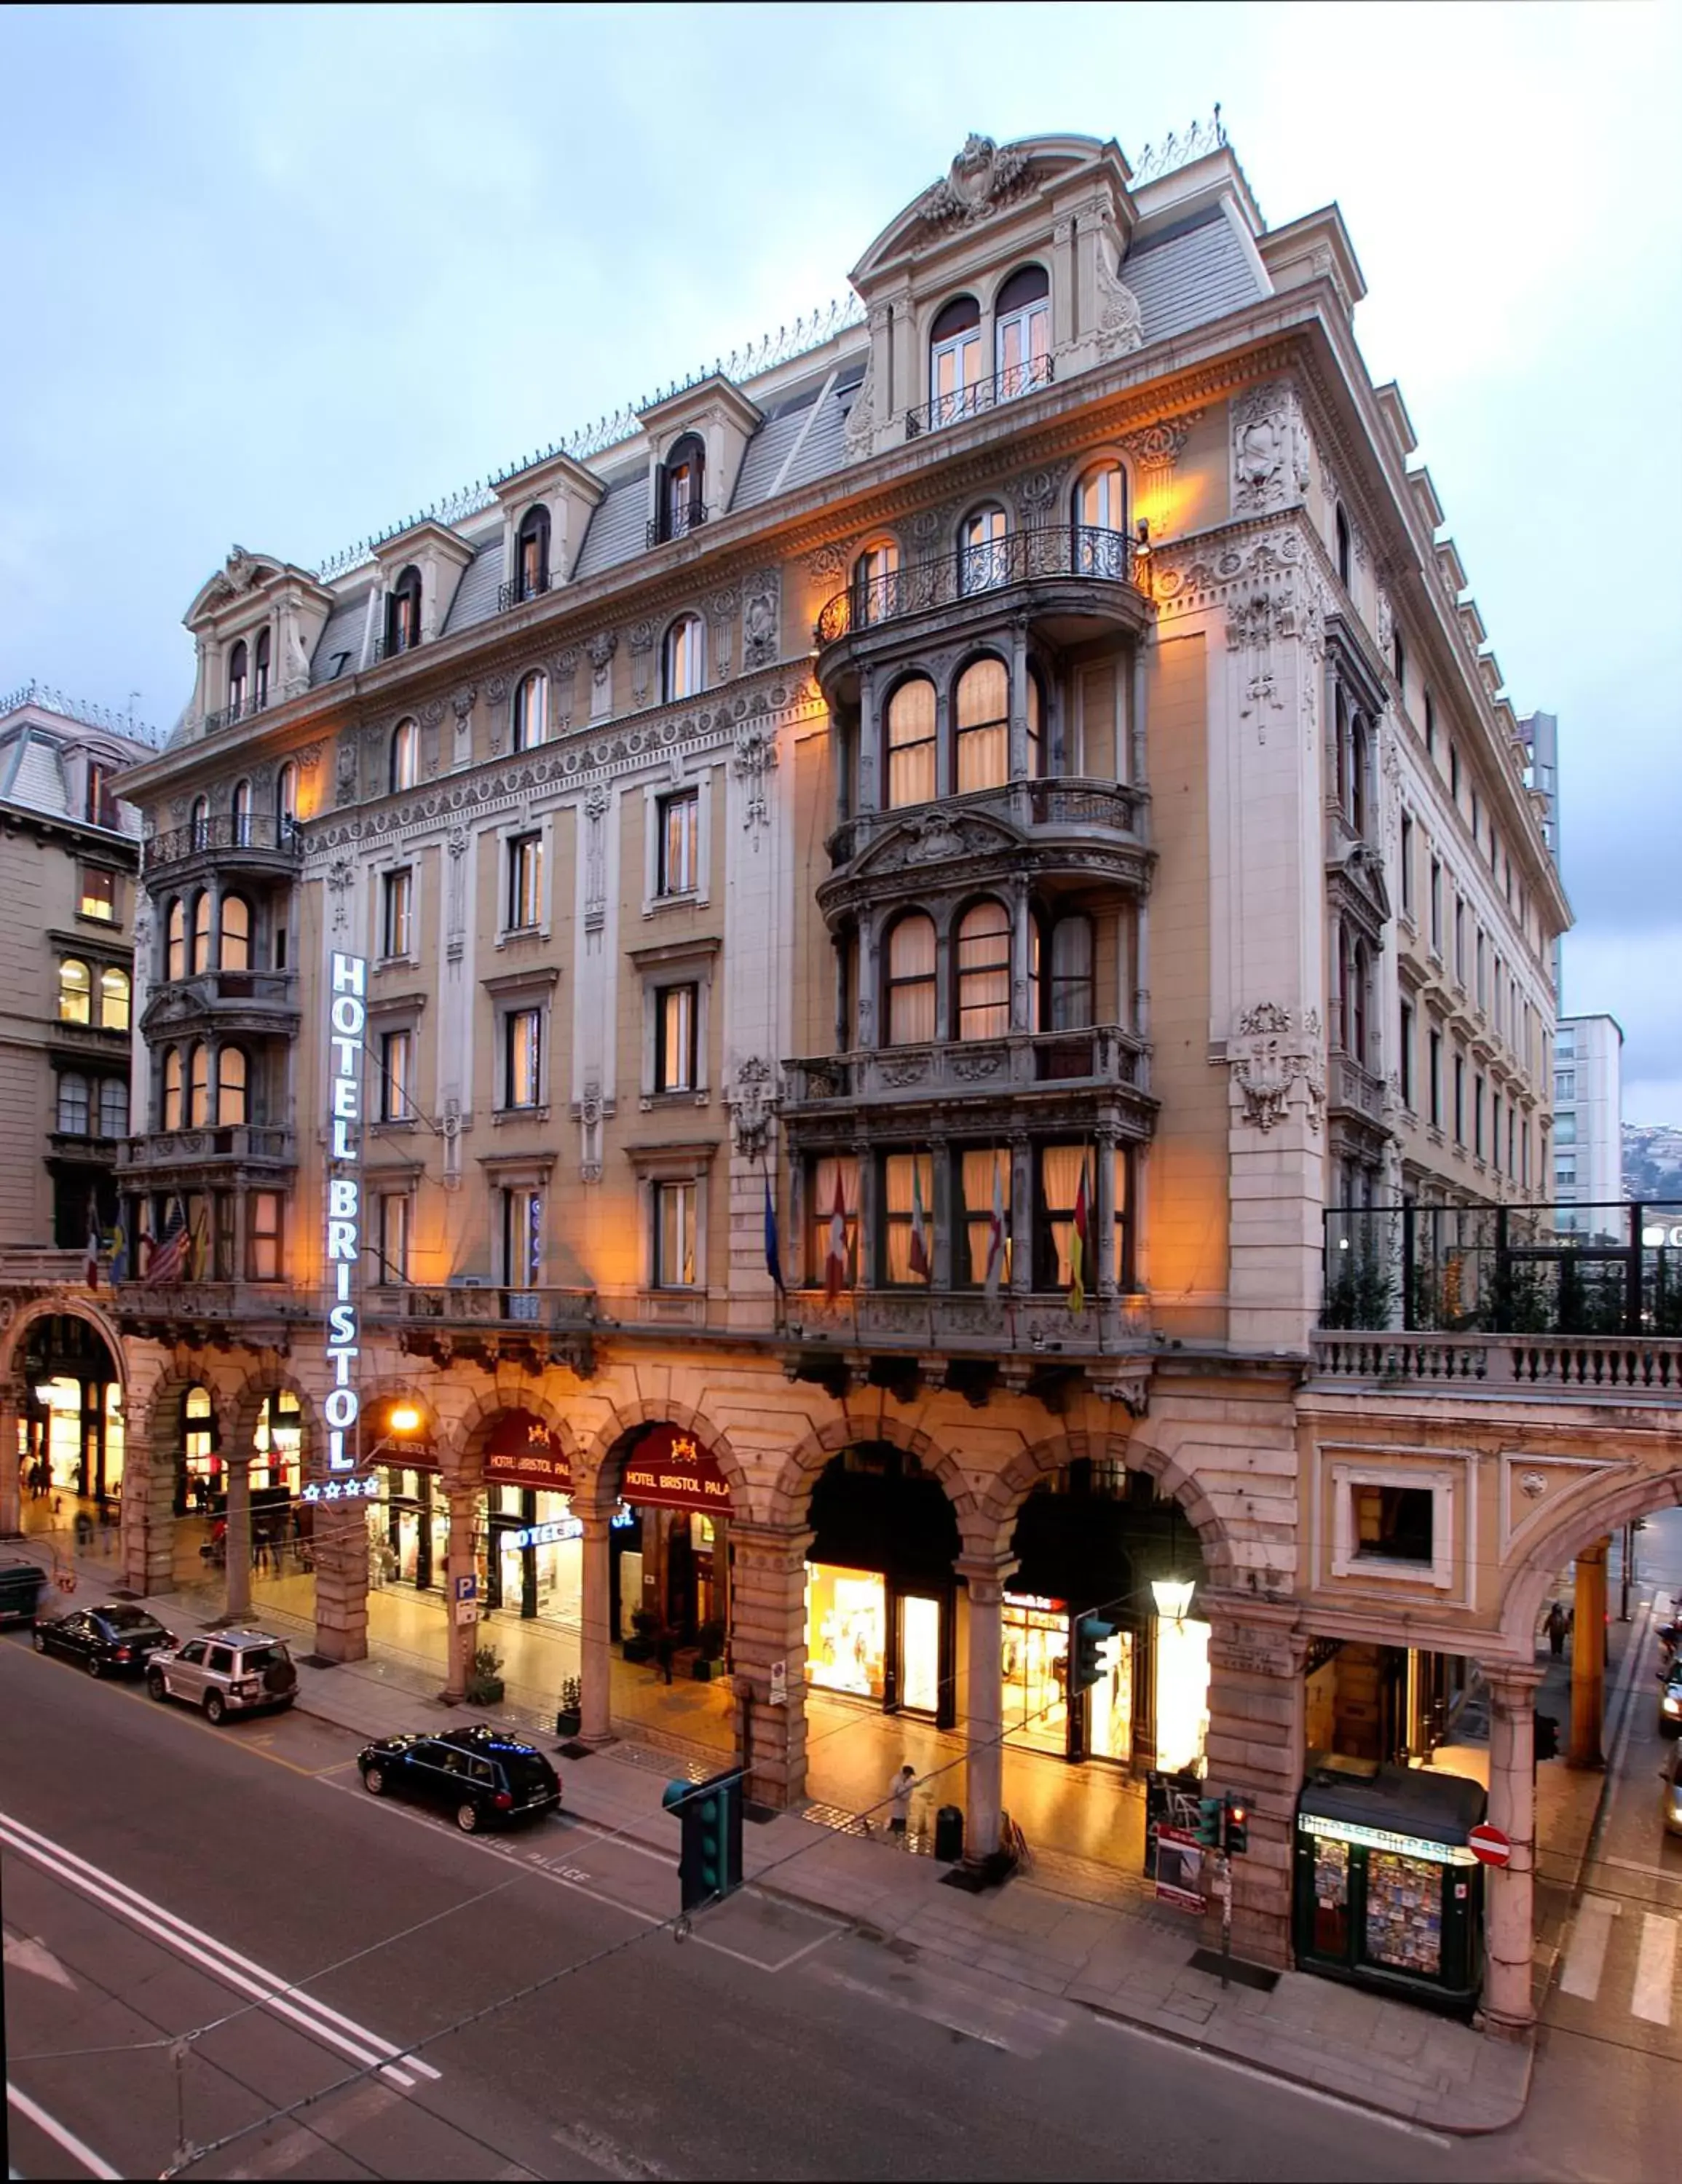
{"points": [[27, 1954], [1586, 1960], [59, 2135], [239, 1972], [1655, 1970]]}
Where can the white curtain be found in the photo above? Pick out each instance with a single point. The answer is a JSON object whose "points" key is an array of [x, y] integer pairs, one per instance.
{"points": [[911, 982], [983, 726], [910, 744], [978, 1171], [898, 1172], [1060, 1167], [984, 972]]}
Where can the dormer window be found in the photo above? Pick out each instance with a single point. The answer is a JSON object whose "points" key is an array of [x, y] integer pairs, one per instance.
{"points": [[403, 613], [102, 805], [406, 756], [532, 710], [1021, 340], [531, 555], [954, 360], [238, 673], [683, 662], [682, 491], [260, 691]]}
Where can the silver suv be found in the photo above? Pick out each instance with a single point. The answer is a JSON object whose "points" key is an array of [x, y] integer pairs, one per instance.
{"points": [[233, 1672]]}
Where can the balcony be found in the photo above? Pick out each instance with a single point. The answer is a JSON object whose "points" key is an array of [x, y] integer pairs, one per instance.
{"points": [[241, 709], [520, 592], [466, 1317], [251, 842], [264, 1312], [974, 401], [1103, 1058], [677, 523], [41, 1266], [1041, 813], [1355, 1090], [391, 646], [159, 1155], [1072, 569], [1626, 1368], [260, 1004]]}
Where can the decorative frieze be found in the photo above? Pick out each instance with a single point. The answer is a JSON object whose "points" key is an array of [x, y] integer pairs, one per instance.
{"points": [[1274, 1051], [1270, 449]]}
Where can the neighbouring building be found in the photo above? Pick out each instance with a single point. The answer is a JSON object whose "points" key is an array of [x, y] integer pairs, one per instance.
{"points": [[1005, 796], [1588, 1124], [1541, 734]]}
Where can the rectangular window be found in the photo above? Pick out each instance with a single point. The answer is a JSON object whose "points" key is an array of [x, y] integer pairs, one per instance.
{"points": [[1434, 1090], [1482, 965], [674, 1238], [1460, 940], [222, 1263], [1436, 907], [1565, 1170], [397, 912], [263, 1236], [523, 1237], [984, 1178], [825, 1174], [1406, 865], [1564, 1085], [396, 1077], [1060, 1168], [1478, 1117], [1511, 1148], [1565, 1129], [96, 897], [1477, 816], [73, 1105], [522, 1058], [1454, 772], [1430, 727], [1404, 1054], [1495, 1131], [679, 835], [391, 1237], [1525, 1153], [677, 1015], [1459, 1101], [114, 1107], [1395, 1524], [904, 1178], [525, 882]]}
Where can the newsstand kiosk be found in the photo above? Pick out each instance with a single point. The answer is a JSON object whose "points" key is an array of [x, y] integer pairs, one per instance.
{"points": [[1387, 1894]]}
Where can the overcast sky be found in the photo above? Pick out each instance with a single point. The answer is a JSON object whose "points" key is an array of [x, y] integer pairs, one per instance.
{"points": [[283, 275]]}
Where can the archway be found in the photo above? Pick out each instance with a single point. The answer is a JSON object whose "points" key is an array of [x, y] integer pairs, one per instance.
{"points": [[67, 1365], [1585, 1519], [672, 1487]]}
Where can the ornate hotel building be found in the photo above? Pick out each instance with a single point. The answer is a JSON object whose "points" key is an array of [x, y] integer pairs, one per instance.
{"points": [[1017, 788]]}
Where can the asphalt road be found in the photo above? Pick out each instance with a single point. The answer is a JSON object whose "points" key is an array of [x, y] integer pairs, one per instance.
{"points": [[163, 1881]]}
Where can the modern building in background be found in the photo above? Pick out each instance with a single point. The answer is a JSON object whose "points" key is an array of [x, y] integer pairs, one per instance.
{"points": [[1588, 1132], [1540, 735]]}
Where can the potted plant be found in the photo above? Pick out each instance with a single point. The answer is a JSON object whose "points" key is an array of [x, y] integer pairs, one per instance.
{"points": [[709, 1655], [484, 1681], [640, 1646], [569, 1714]]}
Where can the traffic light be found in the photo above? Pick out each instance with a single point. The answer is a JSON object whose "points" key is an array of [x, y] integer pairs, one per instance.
{"points": [[709, 1861], [1547, 1736], [1238, 1827], [1210, 1811], [1090, 1633]]}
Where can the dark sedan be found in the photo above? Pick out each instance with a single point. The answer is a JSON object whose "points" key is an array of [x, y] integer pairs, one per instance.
{"points": [[112, 1640], [479, 1777]]}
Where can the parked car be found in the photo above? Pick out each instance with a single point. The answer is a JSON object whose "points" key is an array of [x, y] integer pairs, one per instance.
{"points": [[114, 1639], [480, 1777], [234, 1672], [1670, 1700], [1672, 1779], [22, 1583]]}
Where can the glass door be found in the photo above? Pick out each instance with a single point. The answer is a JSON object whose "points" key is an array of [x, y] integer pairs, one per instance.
{"points": [[919, 1654], [1110, 1701]]}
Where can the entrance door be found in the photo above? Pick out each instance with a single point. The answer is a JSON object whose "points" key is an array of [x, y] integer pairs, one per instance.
{"points": [[919, 1653], [1110, 1701]]}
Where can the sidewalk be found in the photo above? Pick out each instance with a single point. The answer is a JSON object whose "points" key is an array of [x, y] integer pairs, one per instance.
{"points": [[1125, 1957]]}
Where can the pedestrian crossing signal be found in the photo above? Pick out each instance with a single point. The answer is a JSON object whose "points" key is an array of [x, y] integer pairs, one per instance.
{"points": [[709, 1861]]}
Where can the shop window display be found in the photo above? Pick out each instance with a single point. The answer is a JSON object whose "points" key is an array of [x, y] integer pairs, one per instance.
{"points": [[1036, 1666], [846, 1629], [919, 1654], [1404, 1912]]}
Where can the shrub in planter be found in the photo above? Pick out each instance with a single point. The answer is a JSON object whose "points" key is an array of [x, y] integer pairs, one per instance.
{"points": [[641, 1644], [484, 1681], [711, 1640], [569, 1716]]}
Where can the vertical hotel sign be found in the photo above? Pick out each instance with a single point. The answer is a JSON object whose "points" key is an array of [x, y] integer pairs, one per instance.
{"points": [[346, 1015]]}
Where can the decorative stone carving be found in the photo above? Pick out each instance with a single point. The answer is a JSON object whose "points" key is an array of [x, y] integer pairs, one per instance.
{"points": [[761, 619], [1120, 323], [980, 181], [347, 768], [751, 1099], [1034, 495], [859, 434], [341, 878], [828, 564], [1272, 1052], [1270, 460], [755, 756], [432, 712], [588, 1113], [1384, 619], [1532, 1485], [496, 690], [597, 801], [461, 701]]}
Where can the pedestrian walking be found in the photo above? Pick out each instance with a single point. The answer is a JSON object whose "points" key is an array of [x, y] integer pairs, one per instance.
{"points": [[664, 1646], [899, 1802], [1557, 1628]]}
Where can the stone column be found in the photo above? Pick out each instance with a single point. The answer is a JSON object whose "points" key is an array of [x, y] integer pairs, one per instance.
{"points": [[460, 1561], [1509, 1915], [1022, 958], [1016, 732], [1104, 1239], [1021, 1215], [339, 1543], [984, 1579], [237, 1542], [595, 1667], [1588, 1658], [149, 1520], [870, 782], [768, 1626], [945, 754], [1256, 1710], [11, 1491]]}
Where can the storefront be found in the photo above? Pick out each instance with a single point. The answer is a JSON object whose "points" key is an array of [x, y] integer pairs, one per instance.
{"points": [[670, 1544], [535, 1566], [1386, 1895], [77, 1431], [277, 1445], [880, 1596], [198, 1468]]}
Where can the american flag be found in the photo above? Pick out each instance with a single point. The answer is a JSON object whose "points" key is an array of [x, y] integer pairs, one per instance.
{"points": [[168, 1261]]}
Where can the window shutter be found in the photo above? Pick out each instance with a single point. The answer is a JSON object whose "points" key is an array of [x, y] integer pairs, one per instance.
{"points": [[662, 515], [698, 481]]}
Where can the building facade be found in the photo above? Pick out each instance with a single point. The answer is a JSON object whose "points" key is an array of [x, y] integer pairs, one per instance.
{"points": [[1588, 1122], [1010, 805]]}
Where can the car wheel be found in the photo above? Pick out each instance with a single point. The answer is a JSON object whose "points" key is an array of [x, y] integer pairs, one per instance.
{"points": [[467, 1818], [155, 1685], [215, 1709], [374, 1781], [95, 1667], [40, 1638]]}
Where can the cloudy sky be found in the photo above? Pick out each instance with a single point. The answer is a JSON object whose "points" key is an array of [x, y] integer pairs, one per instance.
{"points": [[283, 275]]}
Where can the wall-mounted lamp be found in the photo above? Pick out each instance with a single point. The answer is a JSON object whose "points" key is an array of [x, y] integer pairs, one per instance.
{"points": [[1172, 1597], [1141, 539]]}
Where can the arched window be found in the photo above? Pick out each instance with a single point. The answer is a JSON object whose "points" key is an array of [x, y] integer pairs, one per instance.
{"points": [[683, 662], [984, 731], [405, 759], [531, 555], [199, 1087], [260, 685], [875, 583], [231, 1075], [199, 959], [115, 996], [114, 1107], [235, 951], [1070, 991], [174, 942], [1101, 521], [1022, 332], [73, 1105], [983, 964], [403, 613], [76, 992], [286, 799], [242, 814], [683, 490], [983, 552], [909, 999], [237, 680], [954, 371], [172, 1088], [910, 744], [201, 822], [1342, 529], [532, 710]]}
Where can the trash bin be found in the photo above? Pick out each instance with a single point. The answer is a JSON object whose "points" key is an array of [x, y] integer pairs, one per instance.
{"points": [[948, 1834]]}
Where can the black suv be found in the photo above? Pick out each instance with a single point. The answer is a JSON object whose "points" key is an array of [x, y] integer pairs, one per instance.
{"points": [[478, 1776]]}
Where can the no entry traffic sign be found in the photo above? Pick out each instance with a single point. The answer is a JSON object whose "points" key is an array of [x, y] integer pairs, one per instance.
{"points": [[1489, 1846]]}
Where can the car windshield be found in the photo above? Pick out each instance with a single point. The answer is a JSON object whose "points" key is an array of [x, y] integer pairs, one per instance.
{"points": [[253, 1659], [528, 1770]]}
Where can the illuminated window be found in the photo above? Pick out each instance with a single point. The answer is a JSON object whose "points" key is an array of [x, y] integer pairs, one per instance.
{"points": [[675, 1211], [172, 1088], [235, 951], [263, 1236], [875, 583], [531, 711], [522, 1058], [682, 659], [1101, 521], [76, 992], [525, 882], [984, 557], [676, 1021], [96, 896], [1022, 337], [199, 958], [905, 1178], [115, 999], [682, 489], [396, 1077], [983, 728], [393, 1211], [984, 969], [910, 744], [405, 755], [825, 1174], [910, 997], [679, 818], [199, 1088], [523, 1237], [954, 371], [983, 1178], [286, 799], [231, 1086], [531, 555], [403, 614]]}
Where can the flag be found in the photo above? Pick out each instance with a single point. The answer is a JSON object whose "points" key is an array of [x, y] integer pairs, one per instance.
{"points": [[168, 1263], [835, 1253], [90, 1271], [1078, 1246], [198, 1246], [119, 1242], [922, 1262], [773, 1257], [995, 1234]]}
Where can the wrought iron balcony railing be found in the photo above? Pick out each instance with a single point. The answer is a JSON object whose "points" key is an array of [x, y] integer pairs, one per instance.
{"points": [[1078, 550], [255, 831], [677, 523], [241, 708], [521, 590], [391, 645], [1015, 379]]}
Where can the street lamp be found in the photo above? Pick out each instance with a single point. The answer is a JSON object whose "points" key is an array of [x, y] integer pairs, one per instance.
{"points": [[1172, 1597]]}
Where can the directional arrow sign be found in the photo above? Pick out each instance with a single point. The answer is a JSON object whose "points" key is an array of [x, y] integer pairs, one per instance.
{"points": [[1489, 1846]]}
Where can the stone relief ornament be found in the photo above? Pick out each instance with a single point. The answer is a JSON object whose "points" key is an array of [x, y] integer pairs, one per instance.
{"points": [[755, 756], [860, 431], [762, 618], [1532, 1485], [1120, 323], [980, 181], [1273, 1051], [588, 1113], [1270, 466], [1033, 496], [341, 876], [1384, 621], [751, 1099], [828, 564], [347, 767]]}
